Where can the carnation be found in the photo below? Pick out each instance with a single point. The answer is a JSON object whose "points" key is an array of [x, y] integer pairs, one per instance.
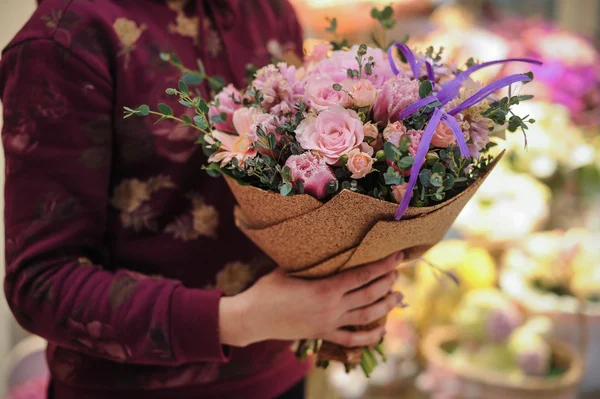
{"points": [[278, 84], [396, 94], [312, 171]]}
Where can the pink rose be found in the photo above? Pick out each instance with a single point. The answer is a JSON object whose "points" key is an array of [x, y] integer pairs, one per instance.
{"points": [[359, 163], [443, 136], [321, 95], [370, 130], [396, 94], [399, 191], [334, 132], [363, 93], [313, 171], [227, 101], [336, 66]]}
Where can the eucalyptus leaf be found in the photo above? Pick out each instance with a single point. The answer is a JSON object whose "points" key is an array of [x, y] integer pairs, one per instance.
{"points": [[192, 78], [406, 162], [165, 109], [201, 122], [143, 110], [183, 87]]}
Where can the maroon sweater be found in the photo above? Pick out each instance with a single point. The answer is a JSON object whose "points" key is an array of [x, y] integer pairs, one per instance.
{"points": [[119, 247]]}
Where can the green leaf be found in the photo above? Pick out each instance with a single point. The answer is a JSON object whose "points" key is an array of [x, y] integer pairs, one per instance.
{"points": [[165, 57], [369, 69], [183, 87], [203, 106], [272, 140], [530, 74], [425, 89], [387, 13], [404, 143], [128, 109], [186, 119], [332, 25], [392, 178], [300, 186], [374, 13], [171, 91], [216, 83], [337, 87], [192, 78], [392, 153], [524, 97], [286, 174], [425, 177], [436, 180], [201, 122], [186, 103], [165, 109], [286, 189], [143, 110], [449, 182], [439, 169], [406, 162], [343, 160], [217, 119]]}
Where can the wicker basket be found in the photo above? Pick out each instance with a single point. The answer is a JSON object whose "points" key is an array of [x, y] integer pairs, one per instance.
{"points": [[484, 384]]}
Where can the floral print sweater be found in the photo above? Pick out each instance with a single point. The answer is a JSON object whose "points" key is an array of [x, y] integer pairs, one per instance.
{"points": [[118, 246]]}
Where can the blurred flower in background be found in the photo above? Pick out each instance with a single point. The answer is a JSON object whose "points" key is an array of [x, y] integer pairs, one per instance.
{"points": [[507, 207]]}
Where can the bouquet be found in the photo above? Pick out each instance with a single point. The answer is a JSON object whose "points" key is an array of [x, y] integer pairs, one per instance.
{"points": [[357, 153]]}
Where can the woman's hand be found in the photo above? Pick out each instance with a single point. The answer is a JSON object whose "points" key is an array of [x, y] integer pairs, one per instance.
{"points": [[287, 308]]}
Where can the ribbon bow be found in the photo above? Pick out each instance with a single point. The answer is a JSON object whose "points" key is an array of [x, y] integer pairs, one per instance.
{"points": [[443, 97]]}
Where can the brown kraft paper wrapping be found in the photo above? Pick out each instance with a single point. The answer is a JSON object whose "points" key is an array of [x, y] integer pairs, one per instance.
{"points": [[311, 239]]}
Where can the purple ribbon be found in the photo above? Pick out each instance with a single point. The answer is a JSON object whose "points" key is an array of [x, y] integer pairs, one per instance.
{"points": [[444, 96]]}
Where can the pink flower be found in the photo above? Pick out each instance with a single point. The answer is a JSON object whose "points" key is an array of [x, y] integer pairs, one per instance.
{"points": [[370, 130], [232, 146], [480, 136], [268, 123], [535, 361], [443, 136], [319, 53], [399, 191], [359, 163], [227, 101], [235, 146], [313, 171], [395, 131], [243, 119], [363, 93], [336, 66], [280, 84], [335, 132], [321, 95], [501, 323], [396, 94]]}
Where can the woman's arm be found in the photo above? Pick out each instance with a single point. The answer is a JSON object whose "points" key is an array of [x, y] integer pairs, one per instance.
{"points": [[58, 144]]}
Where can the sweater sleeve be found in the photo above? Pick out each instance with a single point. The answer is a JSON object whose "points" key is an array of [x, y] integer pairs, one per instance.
{"points": [[59, 283]]}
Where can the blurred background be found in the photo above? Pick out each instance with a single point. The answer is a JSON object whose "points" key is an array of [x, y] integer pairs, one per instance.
{"points": [[524, 321]]}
